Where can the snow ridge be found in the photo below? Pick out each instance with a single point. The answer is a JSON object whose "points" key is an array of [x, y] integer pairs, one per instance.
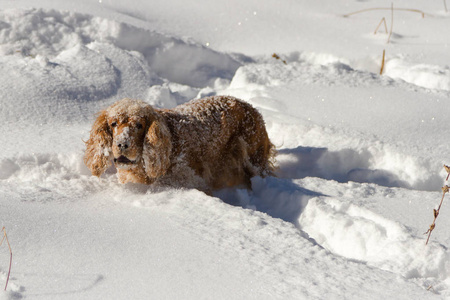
{"points": [[54, 49]]}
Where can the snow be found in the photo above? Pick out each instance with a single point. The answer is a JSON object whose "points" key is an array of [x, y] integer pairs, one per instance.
{"points": [[360, 154]]}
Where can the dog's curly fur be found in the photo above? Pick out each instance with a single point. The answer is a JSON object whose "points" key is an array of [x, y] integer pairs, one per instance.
{"points": [[207, 144]]}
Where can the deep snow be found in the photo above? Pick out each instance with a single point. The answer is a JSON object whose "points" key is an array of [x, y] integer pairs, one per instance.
{"points": [[360, 155]]}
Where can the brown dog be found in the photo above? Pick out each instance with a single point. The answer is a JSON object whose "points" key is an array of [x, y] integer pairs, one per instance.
{"points": [[207, 144]]}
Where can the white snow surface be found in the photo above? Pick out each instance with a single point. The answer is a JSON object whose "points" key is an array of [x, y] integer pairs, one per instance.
{"points": [[360, 154]]}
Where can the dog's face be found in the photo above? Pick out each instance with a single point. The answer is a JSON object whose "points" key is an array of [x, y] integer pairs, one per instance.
{"points": [[137, 137], [128, 140], [128, 124]]}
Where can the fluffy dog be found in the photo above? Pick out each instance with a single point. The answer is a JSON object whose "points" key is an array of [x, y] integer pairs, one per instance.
{"points": [[208, 144]]}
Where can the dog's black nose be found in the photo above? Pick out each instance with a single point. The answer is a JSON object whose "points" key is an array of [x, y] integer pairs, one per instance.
{"points": [[122, 146]]}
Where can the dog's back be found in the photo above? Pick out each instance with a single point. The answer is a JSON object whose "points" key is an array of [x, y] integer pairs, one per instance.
{"points": [[223, 139]]}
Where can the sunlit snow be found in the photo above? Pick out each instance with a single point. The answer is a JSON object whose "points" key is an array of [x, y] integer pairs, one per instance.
{"points": [[360, 154]]}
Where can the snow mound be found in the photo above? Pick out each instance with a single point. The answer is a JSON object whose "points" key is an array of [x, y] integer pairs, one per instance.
{"points": [[357, 233], [423, 75], [48, 32], [311, 126], [53, 60], [42, 167], [267, 244]]}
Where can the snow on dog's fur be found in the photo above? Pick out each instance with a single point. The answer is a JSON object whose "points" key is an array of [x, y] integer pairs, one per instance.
{"points": [[207, 144]]}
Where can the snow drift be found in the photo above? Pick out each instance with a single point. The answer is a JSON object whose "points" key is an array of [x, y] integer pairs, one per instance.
{"points": [[360, 155]]}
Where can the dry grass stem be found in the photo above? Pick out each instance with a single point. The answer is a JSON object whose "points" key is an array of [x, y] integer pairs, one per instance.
{"points": [[445, 6], [382, 62], [385, 8], [276, 56], [392, 23], [5, 238], [445, 189], [383, 21], [447, 169]]}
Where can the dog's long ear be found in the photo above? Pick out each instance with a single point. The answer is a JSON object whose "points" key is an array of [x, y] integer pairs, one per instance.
{"points": [[98, 147], [157, 148]]}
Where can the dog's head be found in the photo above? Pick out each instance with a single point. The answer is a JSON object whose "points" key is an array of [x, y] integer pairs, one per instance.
{"points": [[131, 134], [128, 121]]}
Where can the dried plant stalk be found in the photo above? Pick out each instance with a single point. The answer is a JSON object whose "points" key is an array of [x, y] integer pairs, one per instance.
{"points": [[385, 8], [445, 189], [392, 22], [447, 169], [276, 56], [382, 62], [383, 21], [445, 5], [5, 237]]}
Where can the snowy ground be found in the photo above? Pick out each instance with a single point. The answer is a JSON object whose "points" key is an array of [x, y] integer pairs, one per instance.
{"points": [[360, 155]]}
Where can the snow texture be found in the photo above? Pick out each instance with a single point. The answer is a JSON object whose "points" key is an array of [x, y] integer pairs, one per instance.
{"points": [[360, 154]]}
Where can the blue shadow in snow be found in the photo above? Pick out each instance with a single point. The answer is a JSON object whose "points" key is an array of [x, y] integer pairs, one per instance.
{"points": [[277, 197], [281, 197], [342, 166]]}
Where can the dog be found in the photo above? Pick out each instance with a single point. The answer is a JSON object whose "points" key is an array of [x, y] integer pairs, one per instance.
{"points": [[207, 144]]}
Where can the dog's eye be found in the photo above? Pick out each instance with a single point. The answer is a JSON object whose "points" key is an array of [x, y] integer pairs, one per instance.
{"points": [[139, 125], [113, 124]]}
